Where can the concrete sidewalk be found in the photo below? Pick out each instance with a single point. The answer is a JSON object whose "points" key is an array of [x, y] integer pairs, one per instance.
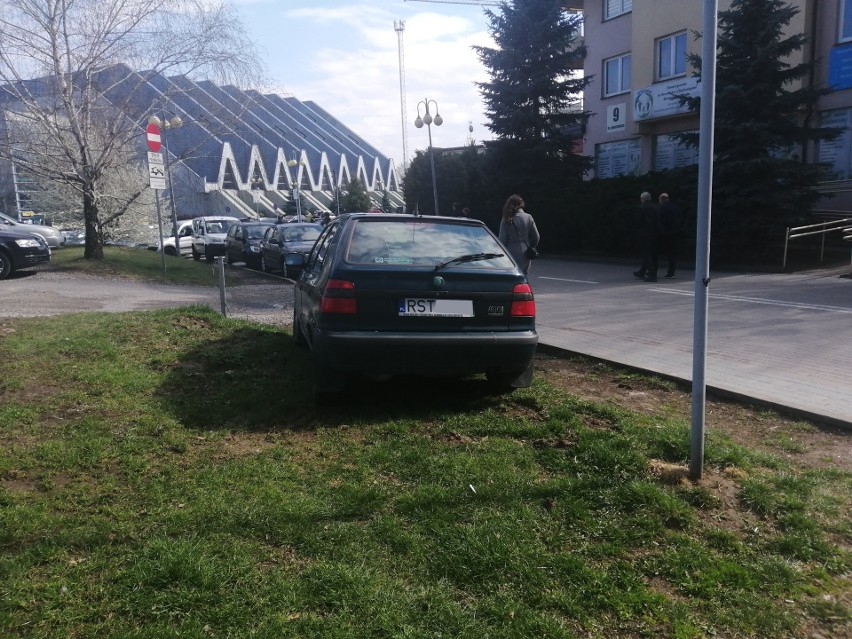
{"points": [[780, 339]]}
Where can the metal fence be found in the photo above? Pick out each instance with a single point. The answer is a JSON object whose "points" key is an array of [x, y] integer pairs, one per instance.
{"points": [[843, 226]]}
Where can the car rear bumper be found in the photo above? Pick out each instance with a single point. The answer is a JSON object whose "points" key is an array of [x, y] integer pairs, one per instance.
{"points": [[214, 249], [425, 353]]}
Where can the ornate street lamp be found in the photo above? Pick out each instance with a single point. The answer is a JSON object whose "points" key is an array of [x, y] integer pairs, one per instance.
{"points": [[427, 120]]}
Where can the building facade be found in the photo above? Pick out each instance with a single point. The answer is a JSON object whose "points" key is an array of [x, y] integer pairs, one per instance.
{"points": [[235, 152], [636, 59]]}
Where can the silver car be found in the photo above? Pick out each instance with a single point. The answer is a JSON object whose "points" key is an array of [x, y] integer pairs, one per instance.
{"points": [[52, 236]]}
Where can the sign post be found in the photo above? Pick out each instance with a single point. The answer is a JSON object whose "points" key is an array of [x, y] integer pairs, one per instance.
{"points": [[157, 178]]}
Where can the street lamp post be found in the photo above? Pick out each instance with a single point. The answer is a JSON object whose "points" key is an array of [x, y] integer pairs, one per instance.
{"points": [[297, 196], [427, 120], [256, 183], [175, 122], [336, 192]]}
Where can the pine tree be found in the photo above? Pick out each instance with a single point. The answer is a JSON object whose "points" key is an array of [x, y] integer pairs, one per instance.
{"points": [[355, 199], [533, 95], [764, 111]]}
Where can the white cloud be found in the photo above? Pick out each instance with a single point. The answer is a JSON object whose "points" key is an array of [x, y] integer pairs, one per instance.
{"points": [[345, 58]]}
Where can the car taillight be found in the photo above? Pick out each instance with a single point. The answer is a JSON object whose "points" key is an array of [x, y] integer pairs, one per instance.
{"points": [[339, 297], [523, 302]]}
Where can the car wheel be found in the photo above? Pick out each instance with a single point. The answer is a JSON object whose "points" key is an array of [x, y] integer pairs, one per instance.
{"points": [[328, 385], [503, 381], [195, 254], [169, 250], [283, 267], [263, 266], [208, 256], [5, 266], [298, 335]]}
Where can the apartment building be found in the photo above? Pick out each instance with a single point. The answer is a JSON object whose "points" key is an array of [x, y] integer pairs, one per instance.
{"points": [[636, 59]]}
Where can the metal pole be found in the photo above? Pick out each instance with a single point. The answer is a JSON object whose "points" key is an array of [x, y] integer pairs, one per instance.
{"points": [[432, 161], [220, 267], [702, 240], [160, 230], [786, 241], [171, 189]]}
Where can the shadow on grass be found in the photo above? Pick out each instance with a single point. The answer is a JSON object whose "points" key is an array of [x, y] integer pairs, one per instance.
{"points": [[257, 379]]}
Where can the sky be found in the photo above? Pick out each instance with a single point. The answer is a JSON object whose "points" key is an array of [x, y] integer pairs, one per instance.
{"points": [[344, 56]]}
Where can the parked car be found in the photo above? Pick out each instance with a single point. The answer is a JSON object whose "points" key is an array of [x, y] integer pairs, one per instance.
{"points": [[403, 294], [20, 249], [74, 236], [284, 239], [170, 247], [208, 236], [242, 244], [52, 236]]}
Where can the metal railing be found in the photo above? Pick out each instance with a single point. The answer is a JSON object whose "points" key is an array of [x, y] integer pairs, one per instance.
{"points": [[844, 226]]}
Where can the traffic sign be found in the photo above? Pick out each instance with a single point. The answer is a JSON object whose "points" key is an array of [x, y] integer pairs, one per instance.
{"points": [[156, 171], [152, 133]]}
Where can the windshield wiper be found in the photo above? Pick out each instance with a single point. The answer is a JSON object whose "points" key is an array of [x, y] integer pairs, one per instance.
{"points": [[471, 257]]}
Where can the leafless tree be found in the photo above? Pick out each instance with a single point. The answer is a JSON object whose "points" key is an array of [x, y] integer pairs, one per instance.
{"points": [[69, 117]]}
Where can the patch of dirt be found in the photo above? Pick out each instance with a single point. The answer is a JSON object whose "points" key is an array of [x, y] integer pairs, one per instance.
{"points": [[802, 443]]}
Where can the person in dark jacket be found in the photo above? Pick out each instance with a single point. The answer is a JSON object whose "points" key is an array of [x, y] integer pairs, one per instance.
{"points": [[518, 231], [671, 223], [647, 230]]}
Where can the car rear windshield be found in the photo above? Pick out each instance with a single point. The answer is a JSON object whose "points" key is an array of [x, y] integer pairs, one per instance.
{"points": [[218, 227], [422, 243]]}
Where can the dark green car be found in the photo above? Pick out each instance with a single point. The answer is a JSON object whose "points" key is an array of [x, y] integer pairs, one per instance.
{"points": [[402, 294]]}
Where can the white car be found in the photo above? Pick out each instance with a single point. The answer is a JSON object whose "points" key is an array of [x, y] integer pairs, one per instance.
{"points": [[52, 236], [184, 237], [208, 236]]}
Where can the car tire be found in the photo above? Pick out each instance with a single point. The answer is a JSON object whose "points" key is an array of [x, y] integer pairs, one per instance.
{"points": [[328, 385], [6, 268], [504, 381], [208, 256], [283, 267], [298, 335], [195, 254], [169, 250], [263, 266]]}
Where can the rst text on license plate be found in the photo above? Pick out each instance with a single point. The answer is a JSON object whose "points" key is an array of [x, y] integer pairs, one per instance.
{"points": [[422, 307]]}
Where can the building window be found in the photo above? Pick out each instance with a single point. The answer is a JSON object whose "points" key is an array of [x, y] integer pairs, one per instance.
{"points": [[670, 153], [617, 75], [837, 153], [846, 20], [618, 158], [671, 56], [613, 8]]}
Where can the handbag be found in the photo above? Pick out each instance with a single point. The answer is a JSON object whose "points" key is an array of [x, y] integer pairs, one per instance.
{"points": [[531, 252]]}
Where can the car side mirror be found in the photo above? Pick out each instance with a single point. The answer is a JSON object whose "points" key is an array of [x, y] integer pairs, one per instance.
{"points": [[295, 259]]}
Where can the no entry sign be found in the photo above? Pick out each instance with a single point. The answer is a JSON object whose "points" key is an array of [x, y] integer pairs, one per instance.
{"points": [[152, 133]]}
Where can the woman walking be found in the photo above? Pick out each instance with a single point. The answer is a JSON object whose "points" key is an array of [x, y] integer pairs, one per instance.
{"points": [[518, 231]]}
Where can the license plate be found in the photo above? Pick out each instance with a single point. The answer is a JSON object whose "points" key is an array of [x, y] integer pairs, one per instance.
{"points": [[422, 307]]}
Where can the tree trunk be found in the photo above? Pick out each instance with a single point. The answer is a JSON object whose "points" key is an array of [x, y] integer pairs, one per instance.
{"points": [[94, 239]]}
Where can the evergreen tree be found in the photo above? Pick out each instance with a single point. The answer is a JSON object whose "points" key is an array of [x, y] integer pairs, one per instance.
{"points": [[355, 199], [533, 95], [763, 125]]}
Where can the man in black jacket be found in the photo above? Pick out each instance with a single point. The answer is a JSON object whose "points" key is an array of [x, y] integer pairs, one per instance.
{"points": [[671, 222], [647, 230]]}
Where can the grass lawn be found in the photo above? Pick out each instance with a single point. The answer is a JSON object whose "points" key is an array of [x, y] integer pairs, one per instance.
{"points": [[138, 263], [165, 474]]}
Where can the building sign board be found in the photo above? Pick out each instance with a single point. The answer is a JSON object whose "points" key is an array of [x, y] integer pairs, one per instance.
{"points": [[616, 117], [840, 67], [663, 99]]}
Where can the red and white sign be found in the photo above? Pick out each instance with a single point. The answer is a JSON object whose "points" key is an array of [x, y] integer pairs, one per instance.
{"points": [[153, 135]]}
